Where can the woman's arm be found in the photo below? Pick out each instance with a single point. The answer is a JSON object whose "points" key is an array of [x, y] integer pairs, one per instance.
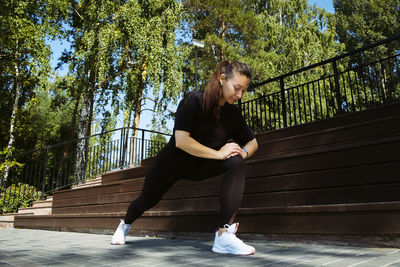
{"points": [[184, 141], [252, 147]]}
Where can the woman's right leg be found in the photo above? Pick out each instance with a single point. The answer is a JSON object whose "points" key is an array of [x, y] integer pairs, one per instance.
{"points": [[154, 187], [159, 179], [162, 175]]}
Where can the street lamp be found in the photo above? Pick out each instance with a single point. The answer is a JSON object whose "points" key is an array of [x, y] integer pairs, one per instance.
{"points": [[196, 44]]}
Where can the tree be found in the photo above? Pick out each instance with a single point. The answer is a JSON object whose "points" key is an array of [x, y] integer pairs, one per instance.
{"points": [[126, 46], [156, 53], [91, 61], [273, 37], [364, 22], [24, 57]]}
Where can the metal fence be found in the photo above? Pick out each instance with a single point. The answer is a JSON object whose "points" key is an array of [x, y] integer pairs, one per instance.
{"points": [[56, 167], [359, 80]]}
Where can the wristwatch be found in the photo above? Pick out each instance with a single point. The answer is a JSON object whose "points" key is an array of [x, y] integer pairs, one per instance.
{"points": [[245, 150]]}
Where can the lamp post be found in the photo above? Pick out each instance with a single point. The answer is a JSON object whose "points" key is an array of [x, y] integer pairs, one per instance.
{"points": [[196, 44]]}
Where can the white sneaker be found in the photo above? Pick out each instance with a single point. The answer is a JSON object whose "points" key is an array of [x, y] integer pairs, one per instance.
{"points": [[226, 242], [120, 234]]}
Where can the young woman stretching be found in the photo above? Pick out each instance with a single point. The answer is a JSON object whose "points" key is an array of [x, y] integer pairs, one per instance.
{"points": [[198, 149]]}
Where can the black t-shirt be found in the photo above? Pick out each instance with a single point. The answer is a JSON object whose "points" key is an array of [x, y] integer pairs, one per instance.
{"points": [[209, 131]]}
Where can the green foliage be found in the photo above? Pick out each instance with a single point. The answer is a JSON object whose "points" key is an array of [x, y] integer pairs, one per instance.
{"points": [[24, 56], [18, 196], [273, 37], [157, 142], [362, 22], [121, 50], [46, 118], [7, 162]]}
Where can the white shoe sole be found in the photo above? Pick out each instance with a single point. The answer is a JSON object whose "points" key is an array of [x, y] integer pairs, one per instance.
{"points": [[223, 251]]}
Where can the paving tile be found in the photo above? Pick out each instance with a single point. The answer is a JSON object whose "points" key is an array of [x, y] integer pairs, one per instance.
{"points": [[23, 247]]}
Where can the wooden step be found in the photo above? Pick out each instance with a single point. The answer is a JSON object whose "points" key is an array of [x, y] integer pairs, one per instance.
{"points": [[27, 211], [7, 220], [87, 192], [337, 121], [364, 131], [43, 207], [357, 154], [120, 207], [35, 211], [361, 154], [94, 182], [346, 185], [43, 204], [344, 179], [121, 175], [347, 219], [324, 139]]}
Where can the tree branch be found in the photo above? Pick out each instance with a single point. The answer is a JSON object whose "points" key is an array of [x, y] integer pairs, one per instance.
{"points": [[146, 97]]}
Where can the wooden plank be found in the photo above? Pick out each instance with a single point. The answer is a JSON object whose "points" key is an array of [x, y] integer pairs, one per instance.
{"points": [[349, 176], [92, 191], [343, 223], [342, 135], [337, 121], [340, 157], [351, 194], [100, 208], [125, 174], [384, 222]]}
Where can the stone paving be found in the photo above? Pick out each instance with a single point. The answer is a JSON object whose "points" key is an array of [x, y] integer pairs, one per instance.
{"points": [[23, 247]]}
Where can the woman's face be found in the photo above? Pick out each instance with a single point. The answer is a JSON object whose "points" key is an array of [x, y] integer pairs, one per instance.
{"points": [[234, 88]]}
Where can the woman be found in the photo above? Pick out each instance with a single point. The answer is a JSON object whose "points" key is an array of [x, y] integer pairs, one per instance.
{"points": [[198, 149]]}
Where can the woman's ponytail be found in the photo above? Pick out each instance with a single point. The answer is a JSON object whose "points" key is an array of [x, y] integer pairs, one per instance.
{"points": [[213, 90]]}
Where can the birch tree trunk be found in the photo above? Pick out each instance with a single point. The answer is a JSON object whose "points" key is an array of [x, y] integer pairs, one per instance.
{"points": [[135, 154], [17, 91], [82, 144], [60, 164], [136, 121], [125, 135], [223, 37]]}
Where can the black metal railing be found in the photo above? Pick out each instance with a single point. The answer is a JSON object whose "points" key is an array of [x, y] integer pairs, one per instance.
{"points": [[347, 83], [59, 166]]}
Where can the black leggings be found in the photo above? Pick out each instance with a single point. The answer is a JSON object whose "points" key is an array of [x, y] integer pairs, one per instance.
{"points": [[165, 172]]}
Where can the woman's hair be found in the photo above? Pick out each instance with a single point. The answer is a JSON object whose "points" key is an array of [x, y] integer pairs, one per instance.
{"points": [[214, 89]]}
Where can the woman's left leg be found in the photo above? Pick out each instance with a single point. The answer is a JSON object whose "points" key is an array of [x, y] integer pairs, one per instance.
{"points": [[232, 188], [231, 194], [232, 184]]}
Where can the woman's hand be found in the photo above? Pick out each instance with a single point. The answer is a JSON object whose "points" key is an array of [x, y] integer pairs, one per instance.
{"points": [[230, 150], [184, 141]]}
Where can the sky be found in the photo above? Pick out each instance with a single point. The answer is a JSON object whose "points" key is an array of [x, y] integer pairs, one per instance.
{"points": [[326, 4], [145, 122]]}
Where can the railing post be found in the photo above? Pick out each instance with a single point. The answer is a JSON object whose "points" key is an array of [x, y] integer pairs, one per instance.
{"points": [[282, 85], [45, 170], [142, 152], [337, 87], [121, 156]]}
